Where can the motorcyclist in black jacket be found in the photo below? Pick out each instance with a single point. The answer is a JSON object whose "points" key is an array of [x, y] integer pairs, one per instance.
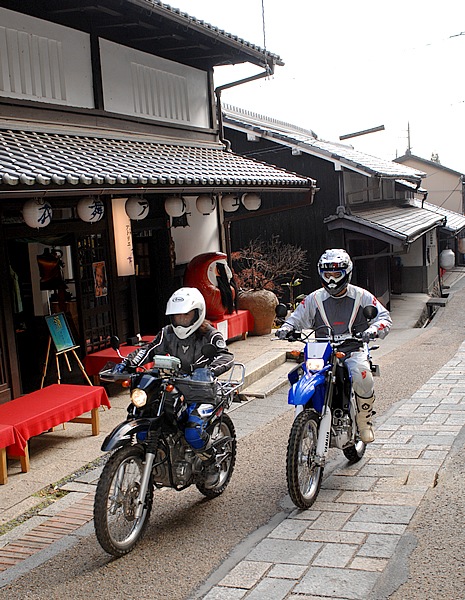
{"points": [[185, 337]]}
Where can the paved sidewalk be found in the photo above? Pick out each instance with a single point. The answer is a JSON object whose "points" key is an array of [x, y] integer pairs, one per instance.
{"points": [[342, 547]]}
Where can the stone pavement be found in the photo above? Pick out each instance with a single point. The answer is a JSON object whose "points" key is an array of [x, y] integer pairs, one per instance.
{"points": [[297, 545], [342, 546]]}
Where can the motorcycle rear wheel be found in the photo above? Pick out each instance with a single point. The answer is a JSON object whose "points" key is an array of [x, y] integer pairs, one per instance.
{"points": [[116, 527], [227, 455], [304, 476], [355, 453]]}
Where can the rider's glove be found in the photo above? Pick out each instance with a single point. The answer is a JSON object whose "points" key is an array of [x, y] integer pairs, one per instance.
{"points": [[369, 334], [283, 332], [121, 367]]}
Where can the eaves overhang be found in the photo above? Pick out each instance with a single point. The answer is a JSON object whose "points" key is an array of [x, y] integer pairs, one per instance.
{"points": [[399, 226], [37, 162]]}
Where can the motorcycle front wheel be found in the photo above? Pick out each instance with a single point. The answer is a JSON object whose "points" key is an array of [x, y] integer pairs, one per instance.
{"points": [[304, 476], [116, 499], [226, 457]]}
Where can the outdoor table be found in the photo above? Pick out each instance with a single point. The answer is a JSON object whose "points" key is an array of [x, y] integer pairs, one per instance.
{"points": [[7, 438], [40, 411], [237, 324]]}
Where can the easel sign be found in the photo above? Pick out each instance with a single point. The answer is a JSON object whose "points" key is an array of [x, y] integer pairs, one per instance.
{"points": [[60, 333], [64, 343]]}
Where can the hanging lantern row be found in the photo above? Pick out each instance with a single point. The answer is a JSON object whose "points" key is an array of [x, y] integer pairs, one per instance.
{"points": [[90, 209], [137, 208], [37, 212], [231, 202], [175, 206]]}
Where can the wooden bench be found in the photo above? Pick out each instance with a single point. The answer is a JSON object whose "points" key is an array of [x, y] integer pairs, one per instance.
{"points": [[40, 411]]}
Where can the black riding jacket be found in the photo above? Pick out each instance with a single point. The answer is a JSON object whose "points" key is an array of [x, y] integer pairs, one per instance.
{"points": [[189, 350]]}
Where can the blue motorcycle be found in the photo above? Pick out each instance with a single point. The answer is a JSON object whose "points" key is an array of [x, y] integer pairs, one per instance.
{"points": [[325, 408]]}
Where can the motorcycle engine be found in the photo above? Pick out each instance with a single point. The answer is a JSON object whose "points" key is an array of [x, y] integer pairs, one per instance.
{"points": [[341, 429], [182, 458]]}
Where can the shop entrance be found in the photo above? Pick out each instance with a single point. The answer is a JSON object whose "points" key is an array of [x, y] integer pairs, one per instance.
{"points": [[154, 276]]}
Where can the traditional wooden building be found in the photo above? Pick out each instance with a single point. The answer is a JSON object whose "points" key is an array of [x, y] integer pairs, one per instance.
{"points": [[113, 170], [364, 204]]}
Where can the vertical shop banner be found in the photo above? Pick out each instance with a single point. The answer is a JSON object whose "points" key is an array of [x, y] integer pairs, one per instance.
{"points": [[123, 238]]}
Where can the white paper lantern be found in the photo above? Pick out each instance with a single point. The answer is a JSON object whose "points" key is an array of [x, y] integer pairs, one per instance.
{"points": [[90, 209], [137, 208], [230, 202], [175, 206], [251, 201], [37, 213], [205, 204]]}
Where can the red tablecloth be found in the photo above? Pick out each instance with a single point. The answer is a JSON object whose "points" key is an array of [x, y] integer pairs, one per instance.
{"points": [[7, 435], [237, 324], [39, 411], [94, 363]]}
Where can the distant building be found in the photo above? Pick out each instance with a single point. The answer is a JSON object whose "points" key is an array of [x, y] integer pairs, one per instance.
{"points": [[445, 186]]}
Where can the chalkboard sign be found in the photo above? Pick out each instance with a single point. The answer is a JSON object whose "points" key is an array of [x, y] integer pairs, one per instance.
{"points": [[60, 333]]}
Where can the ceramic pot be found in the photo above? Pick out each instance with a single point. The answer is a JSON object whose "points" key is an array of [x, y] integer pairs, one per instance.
{"points": [[261, 304]]}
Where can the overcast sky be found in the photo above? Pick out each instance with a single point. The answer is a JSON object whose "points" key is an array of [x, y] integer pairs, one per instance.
{"points": [[351, 66]]}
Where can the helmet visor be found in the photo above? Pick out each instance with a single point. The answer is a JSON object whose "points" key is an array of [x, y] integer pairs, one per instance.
{"points": [[184, 320], [335, 275]]}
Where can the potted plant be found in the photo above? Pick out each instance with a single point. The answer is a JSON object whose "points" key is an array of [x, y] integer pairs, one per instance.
{"points": [[261, 270]]}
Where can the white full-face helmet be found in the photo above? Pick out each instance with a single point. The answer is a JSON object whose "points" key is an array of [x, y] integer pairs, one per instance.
{"points": [[186, 309], [335, 270]]}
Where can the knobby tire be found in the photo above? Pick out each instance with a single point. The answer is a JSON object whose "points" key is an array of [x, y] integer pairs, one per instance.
{"points": [[116, 529], [304, 477]]}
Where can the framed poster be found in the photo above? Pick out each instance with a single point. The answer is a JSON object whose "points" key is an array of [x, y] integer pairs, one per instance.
{"points": [[59, 332], [100, 278]]}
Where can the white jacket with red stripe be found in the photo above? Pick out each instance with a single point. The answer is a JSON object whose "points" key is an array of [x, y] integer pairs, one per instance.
{"points": [[344, 314]]}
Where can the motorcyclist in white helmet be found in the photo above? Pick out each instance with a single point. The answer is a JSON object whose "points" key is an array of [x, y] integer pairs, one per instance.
{"points": [[185, 337], [339, 305]]}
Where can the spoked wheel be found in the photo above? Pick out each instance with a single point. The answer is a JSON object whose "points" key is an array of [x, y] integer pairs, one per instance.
{"points": [[225, 459], [116, 499], [304, 476], [355, 453]]}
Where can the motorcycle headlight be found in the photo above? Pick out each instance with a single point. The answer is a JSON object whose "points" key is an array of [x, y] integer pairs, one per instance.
{"points": [[138, 397], [314, 364]]}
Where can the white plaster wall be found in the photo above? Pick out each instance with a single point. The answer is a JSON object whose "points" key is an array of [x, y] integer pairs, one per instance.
{"points": [[43, 61], [140, 84], [414, 258], [201, 236]]}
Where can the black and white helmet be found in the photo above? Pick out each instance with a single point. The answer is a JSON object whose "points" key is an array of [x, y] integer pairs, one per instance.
{"points": [[186, 309], [335, 270]]}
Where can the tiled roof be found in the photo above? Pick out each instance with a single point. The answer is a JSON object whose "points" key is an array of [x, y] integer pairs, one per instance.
{"points": [[307, 142], [405, 223], [37, 159], [455, 221]]}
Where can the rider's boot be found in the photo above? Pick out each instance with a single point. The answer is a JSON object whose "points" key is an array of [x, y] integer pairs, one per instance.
{"points": [[364, 418]]}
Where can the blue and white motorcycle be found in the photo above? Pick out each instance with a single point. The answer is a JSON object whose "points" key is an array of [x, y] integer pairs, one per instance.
{"points": [[325, 409]]}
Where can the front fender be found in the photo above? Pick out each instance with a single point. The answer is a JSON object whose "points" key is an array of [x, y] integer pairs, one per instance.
{"points": [[122, 433], [308, 390]]}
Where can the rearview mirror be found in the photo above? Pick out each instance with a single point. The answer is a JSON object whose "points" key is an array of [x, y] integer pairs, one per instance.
{"points": [[370, 312], [114, 342], [281, 311]]}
